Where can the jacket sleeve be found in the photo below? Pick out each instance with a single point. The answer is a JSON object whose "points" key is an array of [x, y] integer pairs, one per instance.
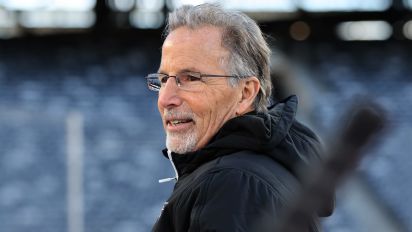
{"points": [[234, 200]]}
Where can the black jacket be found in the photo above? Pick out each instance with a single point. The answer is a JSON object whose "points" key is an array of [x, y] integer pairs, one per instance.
{"points": [[244, 176]]}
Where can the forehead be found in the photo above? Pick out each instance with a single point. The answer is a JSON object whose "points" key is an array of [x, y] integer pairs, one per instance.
{"points": [[193, 48], [209, 36]]}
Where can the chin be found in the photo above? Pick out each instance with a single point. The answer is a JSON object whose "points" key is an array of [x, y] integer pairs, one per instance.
{"points": [[181, 144]]}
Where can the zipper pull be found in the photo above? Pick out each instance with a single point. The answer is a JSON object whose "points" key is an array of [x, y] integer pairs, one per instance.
{"points": [[167, 179]]}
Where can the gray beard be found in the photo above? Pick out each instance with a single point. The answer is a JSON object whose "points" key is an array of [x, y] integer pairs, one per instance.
{"points": [[181, 143]]}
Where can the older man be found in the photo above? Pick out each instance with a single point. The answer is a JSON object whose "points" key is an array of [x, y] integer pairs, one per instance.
{"points": [[235, 159]]}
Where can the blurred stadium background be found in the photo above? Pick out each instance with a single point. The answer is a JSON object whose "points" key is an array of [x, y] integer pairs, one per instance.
{"points": [[80, 136]]}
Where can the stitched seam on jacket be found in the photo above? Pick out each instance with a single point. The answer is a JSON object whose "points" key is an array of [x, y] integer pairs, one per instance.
{"points": [[307, 143], [251, 173], [202, 201], [299, 136]]}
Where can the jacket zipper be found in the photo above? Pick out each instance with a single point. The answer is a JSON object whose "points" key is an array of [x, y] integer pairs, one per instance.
{"points": [[169, 155]]}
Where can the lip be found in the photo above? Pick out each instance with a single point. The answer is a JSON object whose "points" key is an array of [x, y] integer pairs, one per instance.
{"points": [[178, 127]]}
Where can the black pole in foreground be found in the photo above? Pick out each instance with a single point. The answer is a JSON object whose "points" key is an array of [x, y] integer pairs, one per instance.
{"points": [[363, 123]]}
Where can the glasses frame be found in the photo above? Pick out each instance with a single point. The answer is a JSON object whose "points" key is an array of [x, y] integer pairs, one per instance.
{"points": [[196, 75]]}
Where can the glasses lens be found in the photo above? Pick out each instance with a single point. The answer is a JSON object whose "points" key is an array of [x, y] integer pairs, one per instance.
{"points": [[189, 80], [153, 82]]}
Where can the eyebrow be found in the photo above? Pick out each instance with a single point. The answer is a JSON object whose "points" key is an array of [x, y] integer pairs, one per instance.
{"points": [[189, 70], [182, 70]]}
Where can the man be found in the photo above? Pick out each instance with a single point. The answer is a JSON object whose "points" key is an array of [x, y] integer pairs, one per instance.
{"points": [[235, 160]]}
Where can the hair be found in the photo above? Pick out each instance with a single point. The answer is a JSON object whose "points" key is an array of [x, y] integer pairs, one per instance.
{"points": [[241, 36]]}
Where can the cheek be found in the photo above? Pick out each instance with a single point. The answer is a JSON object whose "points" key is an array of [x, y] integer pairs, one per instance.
{"points": [[218, 108], [204, 107]]}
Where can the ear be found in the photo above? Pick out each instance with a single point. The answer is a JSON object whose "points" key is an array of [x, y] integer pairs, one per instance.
{"points": [[250, 89]]}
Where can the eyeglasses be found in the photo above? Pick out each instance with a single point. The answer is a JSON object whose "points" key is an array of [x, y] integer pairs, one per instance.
{"points": [[191, 81]]}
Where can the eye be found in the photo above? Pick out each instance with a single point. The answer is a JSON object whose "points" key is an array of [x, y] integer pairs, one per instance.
{"points": [[191, 76], [163, 78]]}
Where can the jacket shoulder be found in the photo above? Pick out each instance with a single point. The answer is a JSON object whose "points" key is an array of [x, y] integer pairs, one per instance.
{"points": [[258, 166], [249, 187]]}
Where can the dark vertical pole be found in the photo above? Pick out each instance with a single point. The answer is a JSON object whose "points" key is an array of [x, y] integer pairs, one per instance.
{"points": [[103, 17], [398, 4]]}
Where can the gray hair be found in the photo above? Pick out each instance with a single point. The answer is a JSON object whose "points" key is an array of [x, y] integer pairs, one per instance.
{"points": [[249, 51]]}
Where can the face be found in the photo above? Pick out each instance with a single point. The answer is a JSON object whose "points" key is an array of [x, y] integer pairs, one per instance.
{"points": [[191, 119]]}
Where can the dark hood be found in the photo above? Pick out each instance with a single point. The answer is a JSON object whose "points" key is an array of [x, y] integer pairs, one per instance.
{"points": [[276, 134]]}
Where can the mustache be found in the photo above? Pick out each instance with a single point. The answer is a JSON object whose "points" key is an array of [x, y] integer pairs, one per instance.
{"points": [[173, 113]]}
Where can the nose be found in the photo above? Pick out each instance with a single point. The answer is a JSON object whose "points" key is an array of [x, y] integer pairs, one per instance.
{"points": [[168, 94]]}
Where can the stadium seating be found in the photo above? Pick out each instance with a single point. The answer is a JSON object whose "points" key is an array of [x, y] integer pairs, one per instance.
{"points": [[42, 82]]}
